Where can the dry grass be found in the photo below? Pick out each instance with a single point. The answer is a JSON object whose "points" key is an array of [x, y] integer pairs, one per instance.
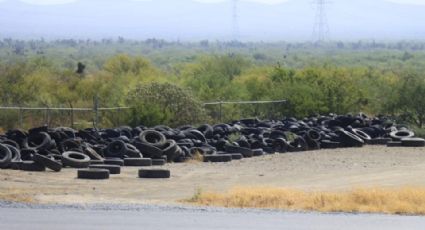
{"points": [[15, 195], [406, 201], [197, 158]]}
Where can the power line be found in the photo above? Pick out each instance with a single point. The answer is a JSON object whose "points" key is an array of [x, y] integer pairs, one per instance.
{"points": [[321, 27], [235, 20]]}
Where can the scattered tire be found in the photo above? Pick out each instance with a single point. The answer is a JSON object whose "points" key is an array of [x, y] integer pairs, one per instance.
{"points": [[218, 158], [236, 156], [48, 162], [32, 166], [75, 159], [113, 169], [5, 156], [114, 161], [394, 144], [93, 174], [400, 134], [158, 162], [138, 162], [154, 173], [378, 141], [246, 153], [413, 142], [97, 162]]}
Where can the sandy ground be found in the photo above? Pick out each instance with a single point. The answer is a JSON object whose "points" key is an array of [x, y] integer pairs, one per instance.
{"points": [[315, 170]]}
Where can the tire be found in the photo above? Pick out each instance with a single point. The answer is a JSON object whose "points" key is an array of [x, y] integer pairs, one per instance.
{"points": [[138, 162], [154, 173], [361, 134], [48, 162], [171, 150], [394, 144], [39, 140], [148, 150], [257, 152], [280, 145], [246, 153], [114, 161], [32, 166], [116, 149], [413, 142], [400, 134], [349, 139], [236, 156], [15, 165], [75, 159], [133, 152], [152, 137], [218, 158], [327, 144], [158, 162], [97, 162], [92, 154], [93, 174], [5, 156], [378, 141], [113, 169]]}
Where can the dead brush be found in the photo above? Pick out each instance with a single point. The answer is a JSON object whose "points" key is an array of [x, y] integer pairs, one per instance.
{"points": [[404, 201]]}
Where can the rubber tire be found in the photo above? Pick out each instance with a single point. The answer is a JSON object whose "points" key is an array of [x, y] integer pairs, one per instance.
{"points": [[148, 150], [83, 161], [158, 162], [114, 161], [89, 151], [6, 156], [236, 156], [48, 162], [147, 135], [97, 162], [113, 169], [32, 166], [257, 152], [218, 158], [93, 174], [394, 144], [413, 142], [401, 134], [154, 173], [138, 162], [246, 153]]}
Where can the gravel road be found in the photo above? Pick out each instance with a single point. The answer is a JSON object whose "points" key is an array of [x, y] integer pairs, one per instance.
{"points": [[14, 216]]}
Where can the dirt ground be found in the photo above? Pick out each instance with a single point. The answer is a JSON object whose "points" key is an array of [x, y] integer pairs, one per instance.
{"points": [[326, 170]]}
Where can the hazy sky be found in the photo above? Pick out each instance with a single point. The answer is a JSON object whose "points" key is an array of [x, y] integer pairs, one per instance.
{"points": [[211, 19]]}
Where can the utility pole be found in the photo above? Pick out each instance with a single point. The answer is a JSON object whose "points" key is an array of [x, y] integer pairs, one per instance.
{"points": [[321, 27], [235, 20]]}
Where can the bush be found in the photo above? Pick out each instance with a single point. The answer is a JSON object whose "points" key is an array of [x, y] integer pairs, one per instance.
{"points": [[168, 104]]}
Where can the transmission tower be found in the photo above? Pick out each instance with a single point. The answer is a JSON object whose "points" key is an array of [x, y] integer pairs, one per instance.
{"points": [[321, 27], [235, 20]]}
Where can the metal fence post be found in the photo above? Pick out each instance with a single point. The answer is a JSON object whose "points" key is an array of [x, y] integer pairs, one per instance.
{"points": [[220, 111], [96, 112], [21, 118]]}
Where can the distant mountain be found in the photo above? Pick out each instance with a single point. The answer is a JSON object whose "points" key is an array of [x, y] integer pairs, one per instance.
{"points": [[189, 20]]}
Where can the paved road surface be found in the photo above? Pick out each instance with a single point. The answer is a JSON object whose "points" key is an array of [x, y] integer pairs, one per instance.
{"points": [[152, 217]]}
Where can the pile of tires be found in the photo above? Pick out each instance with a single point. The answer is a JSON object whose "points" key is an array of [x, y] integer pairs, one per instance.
{"points": [[44, 148]]}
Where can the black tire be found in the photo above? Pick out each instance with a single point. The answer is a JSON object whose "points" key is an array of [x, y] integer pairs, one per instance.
{"points": [[152, 137], [27, 154], [32, 166], [361, 134], [5, 156], [148, 150], [257, 152], [280, 145], [400, 134], [138, 162], [113, 169], [133, 152], [93, 174], [114, 161], [97, 162], [378, 141], [92, 154], [116, 149], [394, 144], [48, 162], [39, 140], [349, 139], [171, 150], [154, 173], [15, 165], [327, 144], [75, 159], [158, 162], [218, 158], [413, 142], [236, 156], [246, 153]]}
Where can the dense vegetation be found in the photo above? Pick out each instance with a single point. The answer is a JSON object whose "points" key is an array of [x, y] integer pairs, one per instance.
{"points": [[165, 82]]}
